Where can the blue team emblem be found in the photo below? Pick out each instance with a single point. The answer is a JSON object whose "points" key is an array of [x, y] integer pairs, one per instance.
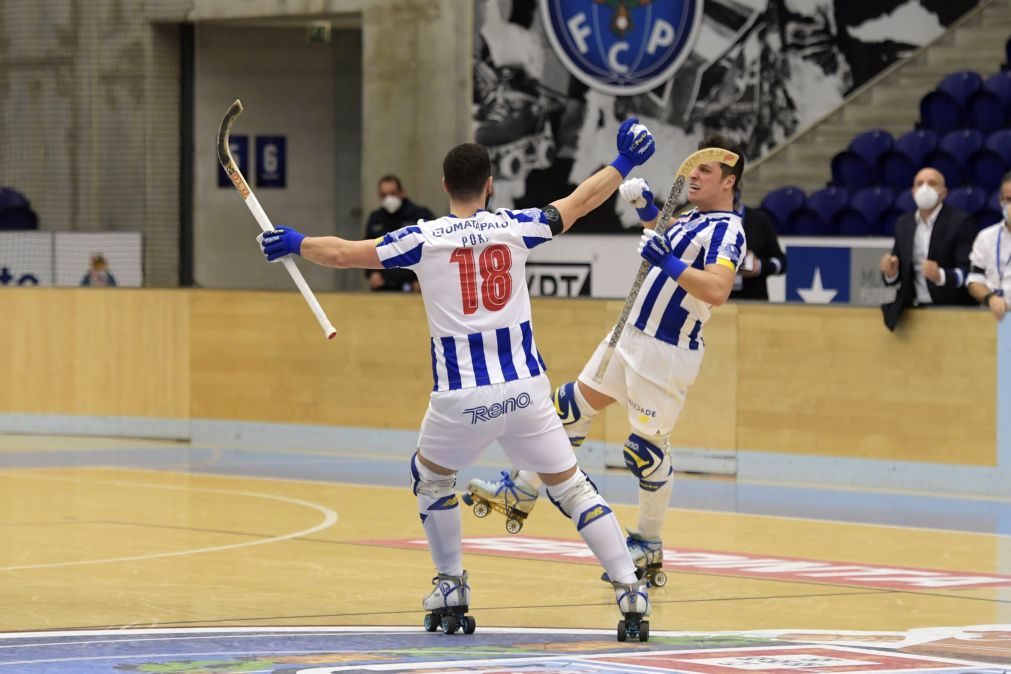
{"points": [[622, 47]]}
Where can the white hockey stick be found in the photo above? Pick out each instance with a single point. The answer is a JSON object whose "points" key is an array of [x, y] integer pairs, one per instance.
{"points": [[228, 163], [673, 201]]}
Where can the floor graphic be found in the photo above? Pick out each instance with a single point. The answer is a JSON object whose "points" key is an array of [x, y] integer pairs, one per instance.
{"points": [[983, 649]]}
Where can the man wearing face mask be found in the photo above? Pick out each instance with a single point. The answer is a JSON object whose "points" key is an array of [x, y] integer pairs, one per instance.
{"points": [[990, 276], [930, 257], [395, 211]]}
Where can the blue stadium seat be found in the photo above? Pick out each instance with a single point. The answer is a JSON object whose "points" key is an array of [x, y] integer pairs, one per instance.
{"points": [[940, 112], [961, 145], [904, 202], [850, 170], [1000, 85], [10, 197], [949, 166], [969, 199], [961, 85], [897, 167], [781, 204], [872, 203], [991, 212], [988, 165], [18, 217], [870, 145], [818, 216], [887, 221], [985, 111]]}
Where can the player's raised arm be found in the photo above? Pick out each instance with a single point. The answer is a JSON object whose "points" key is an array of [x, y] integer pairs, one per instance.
{"points": [[327, 251], [635, 146]]}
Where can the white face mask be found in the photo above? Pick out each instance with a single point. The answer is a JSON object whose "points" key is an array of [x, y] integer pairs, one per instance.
{"points": [[926, 197], [391, 203]]}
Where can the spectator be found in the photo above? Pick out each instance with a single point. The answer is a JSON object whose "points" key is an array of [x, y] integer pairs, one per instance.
{"points": [[930, 257], [764, 258], [395, 211], [990, 275]]}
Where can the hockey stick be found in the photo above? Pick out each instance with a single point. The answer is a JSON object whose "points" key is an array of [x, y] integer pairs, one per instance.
{"points": [[235, 175], [673, 201]]}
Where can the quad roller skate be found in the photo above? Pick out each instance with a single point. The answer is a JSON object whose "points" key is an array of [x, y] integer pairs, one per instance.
{"points": [[647, 555], [633, 602], [510, 496], [448, 604]]}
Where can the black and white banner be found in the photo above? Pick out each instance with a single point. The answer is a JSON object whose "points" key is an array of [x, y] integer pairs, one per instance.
{"points": [[554, 78]]}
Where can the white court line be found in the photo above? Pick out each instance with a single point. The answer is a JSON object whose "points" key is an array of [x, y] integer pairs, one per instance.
{"points": [[329, 519]]}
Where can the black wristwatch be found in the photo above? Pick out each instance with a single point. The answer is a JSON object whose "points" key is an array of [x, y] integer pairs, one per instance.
{"points": [[986, 298]]}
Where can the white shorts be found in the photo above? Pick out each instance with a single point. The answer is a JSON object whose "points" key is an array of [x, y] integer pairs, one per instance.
{"points": [[519, 414], [649, 378]]}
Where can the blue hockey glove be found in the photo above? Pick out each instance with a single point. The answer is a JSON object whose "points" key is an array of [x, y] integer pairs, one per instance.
{"points": [[655, 249], [279, 242], [635, 146]]}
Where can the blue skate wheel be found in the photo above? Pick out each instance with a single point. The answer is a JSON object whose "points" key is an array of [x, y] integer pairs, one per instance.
{"points": [[469, 625], [622, 632], [644, 630], [449, 625], [431, 624], [468, 499]]}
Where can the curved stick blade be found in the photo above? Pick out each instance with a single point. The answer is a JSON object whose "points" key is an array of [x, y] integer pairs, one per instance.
{"points": [[224, 151]]}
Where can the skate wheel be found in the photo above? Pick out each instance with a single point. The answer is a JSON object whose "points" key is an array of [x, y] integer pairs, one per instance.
{"points": [[622, 633], [431, 624], [644, 630], [481, 509], [467, 499], [449, 625], [469, 625], [513, 526], [660, 579]]}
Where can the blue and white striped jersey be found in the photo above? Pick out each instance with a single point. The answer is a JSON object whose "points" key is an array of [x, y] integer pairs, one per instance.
{"points": [[472, 273], [663, 309]]}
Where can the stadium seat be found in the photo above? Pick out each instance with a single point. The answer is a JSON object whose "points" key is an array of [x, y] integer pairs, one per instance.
{"points": [[991, 212], [818, 215], [949, 166], [1000, 85], [10, 197], [988, 165], [887, 221], [969, 199], [985, 111], [904, 202], [870, 145], [872, 203], [781, 204], [961, 85], [961, 145], [18, 217], [940, 112], [850, 170], [897, 167]]}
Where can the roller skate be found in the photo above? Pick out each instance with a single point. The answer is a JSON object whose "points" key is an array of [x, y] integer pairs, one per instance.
{"points": [[511, 496], [647, 555], [448, 604], [633, 602]]}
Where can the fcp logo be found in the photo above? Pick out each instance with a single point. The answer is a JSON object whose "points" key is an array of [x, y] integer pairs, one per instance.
{"points": [[622, 47]]}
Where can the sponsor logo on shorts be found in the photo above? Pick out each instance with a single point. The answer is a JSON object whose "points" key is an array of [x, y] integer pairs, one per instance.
{"points": [[488, 412]]}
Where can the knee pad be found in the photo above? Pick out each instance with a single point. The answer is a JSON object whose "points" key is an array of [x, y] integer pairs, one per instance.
{"points": [[433, 485], [573, 493], [648, 462], [574, 417]]}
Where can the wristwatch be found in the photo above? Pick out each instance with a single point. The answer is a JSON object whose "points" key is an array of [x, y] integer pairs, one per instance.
{"points": [[986, 299]]}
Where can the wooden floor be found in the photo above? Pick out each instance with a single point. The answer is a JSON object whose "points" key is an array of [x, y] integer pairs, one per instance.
{"points": [[95, 547], [87, 546]]}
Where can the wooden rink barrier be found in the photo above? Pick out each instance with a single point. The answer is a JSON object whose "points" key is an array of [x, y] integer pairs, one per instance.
{"points": [[828, 381]]}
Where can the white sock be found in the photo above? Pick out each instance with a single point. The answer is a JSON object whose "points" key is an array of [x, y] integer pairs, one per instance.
{"points": [[653, 503]]}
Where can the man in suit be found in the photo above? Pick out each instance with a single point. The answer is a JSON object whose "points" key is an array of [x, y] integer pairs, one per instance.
{"points": [[764, 258], [930, 257]]}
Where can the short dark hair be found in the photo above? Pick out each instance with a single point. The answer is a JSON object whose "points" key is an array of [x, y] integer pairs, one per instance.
{"points": [[1006, 178], [466, 169], [724, 144], [389, 177]]}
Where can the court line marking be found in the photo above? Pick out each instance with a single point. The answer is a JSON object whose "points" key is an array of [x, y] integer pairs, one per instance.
{"points": [[728, 513], [329, 519]]}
